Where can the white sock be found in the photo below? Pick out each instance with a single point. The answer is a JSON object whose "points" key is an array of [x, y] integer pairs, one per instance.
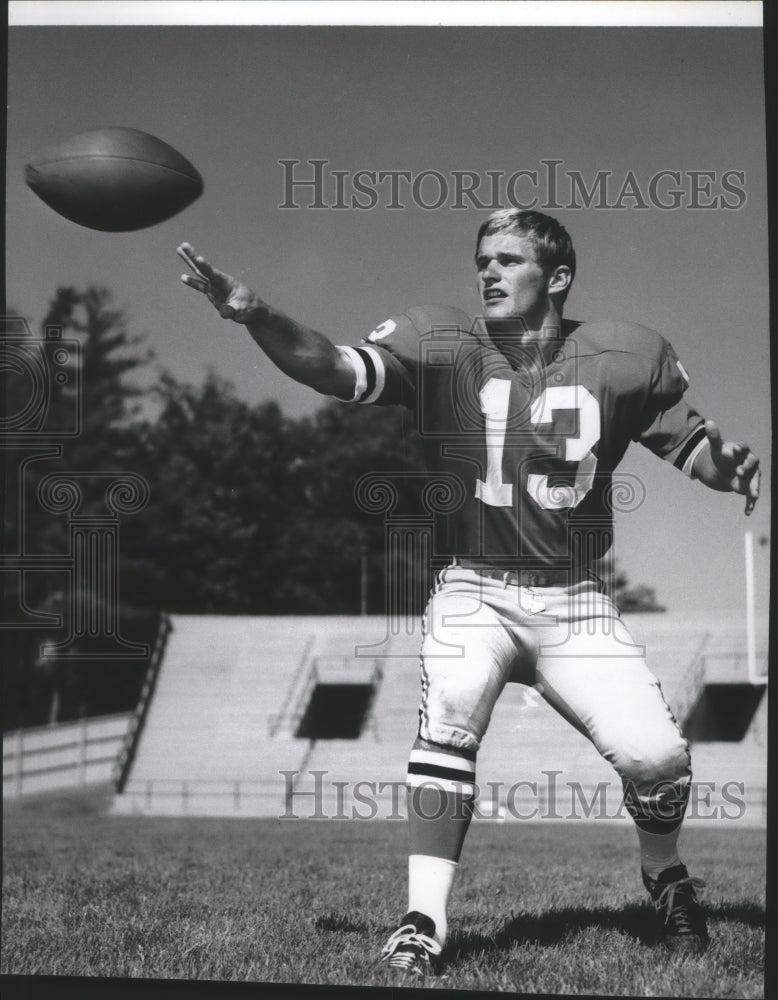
{"points": [[658, 851], [429, 886]]}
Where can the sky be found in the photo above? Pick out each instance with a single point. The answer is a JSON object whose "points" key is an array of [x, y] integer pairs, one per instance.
{"points": [[238, 100]]}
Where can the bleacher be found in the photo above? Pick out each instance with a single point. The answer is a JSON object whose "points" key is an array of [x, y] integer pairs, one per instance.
{"points": [[206, 732], [232, 692], [219, 730]]}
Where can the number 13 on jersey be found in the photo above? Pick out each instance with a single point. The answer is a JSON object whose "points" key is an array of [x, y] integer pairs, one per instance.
{"points": [[495, 401]]}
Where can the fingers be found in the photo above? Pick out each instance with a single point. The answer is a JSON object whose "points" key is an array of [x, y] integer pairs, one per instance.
{"points": [[752, 494], [737, 464], [206, 279], [747, 474], [202, 269], [199, 283], [749, 465], [187, 255], [230, 297], [714, 435]]}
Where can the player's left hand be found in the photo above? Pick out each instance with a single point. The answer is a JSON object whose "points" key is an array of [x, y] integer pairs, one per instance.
{"points": [[736, 465]]}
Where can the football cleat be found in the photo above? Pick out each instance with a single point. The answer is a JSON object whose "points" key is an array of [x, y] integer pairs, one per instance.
{"points": [[682, 921], [412, 944]]}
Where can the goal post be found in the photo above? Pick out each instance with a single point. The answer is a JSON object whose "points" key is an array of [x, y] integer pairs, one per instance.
{"points": [[755, 675]]}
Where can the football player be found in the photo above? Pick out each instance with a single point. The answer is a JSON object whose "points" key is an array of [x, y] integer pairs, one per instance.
{"points": [[532, 413]]}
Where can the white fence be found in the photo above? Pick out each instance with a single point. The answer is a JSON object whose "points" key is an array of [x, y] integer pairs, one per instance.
{"points": [[66, 755]]}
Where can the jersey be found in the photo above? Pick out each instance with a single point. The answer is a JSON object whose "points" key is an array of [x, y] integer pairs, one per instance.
{"points": [[532, 443]]}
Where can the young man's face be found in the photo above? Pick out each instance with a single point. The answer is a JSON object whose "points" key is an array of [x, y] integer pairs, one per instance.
{"points": [[511, 283]]}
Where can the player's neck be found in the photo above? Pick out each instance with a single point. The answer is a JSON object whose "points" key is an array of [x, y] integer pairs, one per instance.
{"points": [[513, 337]]}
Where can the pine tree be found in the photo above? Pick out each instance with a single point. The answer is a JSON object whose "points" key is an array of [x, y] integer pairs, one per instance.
{"points": [[41, 688]]}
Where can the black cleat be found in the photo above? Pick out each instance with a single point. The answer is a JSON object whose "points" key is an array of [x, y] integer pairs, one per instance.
{"points": [[683, 928], [412, 945]]}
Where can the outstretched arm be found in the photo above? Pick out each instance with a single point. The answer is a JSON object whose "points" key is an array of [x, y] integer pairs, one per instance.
{"points": [[303, 354], [728, 466]]}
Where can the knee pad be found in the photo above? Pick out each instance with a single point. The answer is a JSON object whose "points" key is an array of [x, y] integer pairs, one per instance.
{"points": [[457, 701], [657, 794], [670, 764]]}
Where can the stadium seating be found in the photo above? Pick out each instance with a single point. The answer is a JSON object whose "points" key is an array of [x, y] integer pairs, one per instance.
{"points": [[233, 709]]}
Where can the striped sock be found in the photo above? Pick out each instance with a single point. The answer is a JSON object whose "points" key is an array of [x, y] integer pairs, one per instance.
{"points": [[441, 786]]}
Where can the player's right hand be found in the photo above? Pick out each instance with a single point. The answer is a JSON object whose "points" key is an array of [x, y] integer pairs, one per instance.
{"points": [[229, 296]]}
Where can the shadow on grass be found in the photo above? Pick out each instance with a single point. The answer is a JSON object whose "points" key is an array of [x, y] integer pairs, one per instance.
{"points": [[554, 926], [549, 929], [342, 923]]}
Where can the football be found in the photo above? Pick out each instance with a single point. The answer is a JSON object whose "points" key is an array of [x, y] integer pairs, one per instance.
{"points": [[114, 179]]}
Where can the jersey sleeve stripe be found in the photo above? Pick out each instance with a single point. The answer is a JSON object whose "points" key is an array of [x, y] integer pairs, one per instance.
{"points": [[360, 373], [688, 465], [685, 458], [369, 373], [376, 374]]}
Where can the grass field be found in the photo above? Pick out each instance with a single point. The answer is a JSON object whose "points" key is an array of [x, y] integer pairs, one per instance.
{"points": [[554, 908]]}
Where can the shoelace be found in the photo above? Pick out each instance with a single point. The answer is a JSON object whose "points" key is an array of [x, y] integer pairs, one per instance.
{"points": [[415, 946], [666, 898]]}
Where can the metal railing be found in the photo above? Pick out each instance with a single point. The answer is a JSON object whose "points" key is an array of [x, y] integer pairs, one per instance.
{"points": [[289, 718], [694, 678], [320, 672], [129, 749], [371, 722], [276, 720], [745, 805]]}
